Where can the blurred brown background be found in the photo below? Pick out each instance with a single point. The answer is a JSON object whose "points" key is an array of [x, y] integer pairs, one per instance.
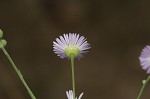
{"points": [[116, 29]]}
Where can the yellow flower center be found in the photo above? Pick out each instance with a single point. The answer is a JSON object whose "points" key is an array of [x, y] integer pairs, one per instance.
{"points": [[71, 51]]}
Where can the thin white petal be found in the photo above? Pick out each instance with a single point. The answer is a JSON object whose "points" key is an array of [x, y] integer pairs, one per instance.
{"points": [[80, 96]]}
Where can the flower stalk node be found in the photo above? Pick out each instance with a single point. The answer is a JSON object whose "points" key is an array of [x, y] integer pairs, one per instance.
{"points": [[143, 81]]}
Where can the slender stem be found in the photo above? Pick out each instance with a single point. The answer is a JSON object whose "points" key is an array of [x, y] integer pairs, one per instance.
{"points": [[18, 73], [143, 86], [73, 77]]}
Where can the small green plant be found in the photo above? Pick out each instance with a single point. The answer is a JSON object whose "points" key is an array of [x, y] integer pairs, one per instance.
{"points": [[3, 43]]}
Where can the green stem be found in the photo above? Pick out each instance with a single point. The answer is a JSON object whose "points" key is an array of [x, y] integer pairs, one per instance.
{"points": [[73, 77], [143, 86], [18, 73]]}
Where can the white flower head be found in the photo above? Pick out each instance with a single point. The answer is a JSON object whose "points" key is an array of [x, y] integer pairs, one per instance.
{"points": [[70, 46], [70, 95]]}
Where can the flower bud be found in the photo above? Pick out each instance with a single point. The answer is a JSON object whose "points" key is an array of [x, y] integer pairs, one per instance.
{"points": [[3, 43], [1, 33]]}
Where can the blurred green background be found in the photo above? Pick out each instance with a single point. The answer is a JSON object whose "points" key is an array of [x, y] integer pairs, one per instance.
{"points": [[116, 29]]}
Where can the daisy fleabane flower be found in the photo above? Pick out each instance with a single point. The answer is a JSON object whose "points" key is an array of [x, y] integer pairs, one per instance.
{"points": [[70, 95], [145, 59], [70, 46]]}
